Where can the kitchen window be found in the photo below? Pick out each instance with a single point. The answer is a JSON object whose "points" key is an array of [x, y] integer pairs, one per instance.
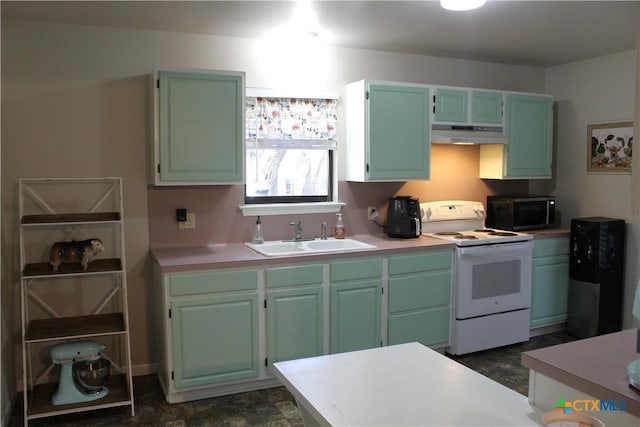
{"points": [[290, 150]]}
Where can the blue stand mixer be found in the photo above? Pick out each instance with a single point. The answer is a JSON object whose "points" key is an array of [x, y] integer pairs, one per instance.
{"points": [[83, 372]]}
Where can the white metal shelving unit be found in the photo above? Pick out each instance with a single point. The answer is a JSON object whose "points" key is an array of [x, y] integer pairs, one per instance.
{"points": [[72, 304]]}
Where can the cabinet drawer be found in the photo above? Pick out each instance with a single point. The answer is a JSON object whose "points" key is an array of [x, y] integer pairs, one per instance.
{"points": [[356, 269], [428, 327], [419, 290], [420, 262], [212, 281], [294, 275], [548, 247], [551, 260]]}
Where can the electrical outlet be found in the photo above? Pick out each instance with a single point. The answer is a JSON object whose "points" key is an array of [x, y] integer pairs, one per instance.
{"points": [[372, 213], [189, 223], [181, 215]]}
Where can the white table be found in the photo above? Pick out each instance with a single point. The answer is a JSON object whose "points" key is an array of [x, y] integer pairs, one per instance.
{"points": [[401, 385]]}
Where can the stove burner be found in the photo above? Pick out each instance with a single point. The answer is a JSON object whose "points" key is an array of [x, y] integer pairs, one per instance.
{"points": [[483, 230], [467, 237], [449, 233], [502, 233]]}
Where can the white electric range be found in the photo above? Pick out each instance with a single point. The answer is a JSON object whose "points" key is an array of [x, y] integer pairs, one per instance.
{"points": [[491, 276]]}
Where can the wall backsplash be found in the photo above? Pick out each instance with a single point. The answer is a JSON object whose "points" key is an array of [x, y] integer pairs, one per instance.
{"points": [[454, 176]]}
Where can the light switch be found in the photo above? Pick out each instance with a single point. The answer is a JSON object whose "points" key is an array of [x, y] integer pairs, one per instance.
{"points": [[190, 221]]}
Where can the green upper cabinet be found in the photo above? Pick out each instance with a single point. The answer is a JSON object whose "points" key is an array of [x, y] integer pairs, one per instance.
{"points": [[450, 105], [486, 107], [388, 132], [467, 107], [199, 128], [529, 127], [529, 149]]}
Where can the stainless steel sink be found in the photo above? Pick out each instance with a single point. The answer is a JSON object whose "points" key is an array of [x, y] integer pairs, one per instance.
{"points": [[284, 248]]}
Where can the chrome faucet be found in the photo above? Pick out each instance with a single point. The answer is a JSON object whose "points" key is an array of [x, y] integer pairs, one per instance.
{"points": [[323, 230], [298, 231]]}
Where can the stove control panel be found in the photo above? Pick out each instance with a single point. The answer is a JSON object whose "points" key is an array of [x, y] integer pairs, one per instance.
{"points": [[452, 210]]}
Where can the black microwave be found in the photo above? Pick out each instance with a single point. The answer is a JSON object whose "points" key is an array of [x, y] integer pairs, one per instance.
{"points": [[519, 213]]}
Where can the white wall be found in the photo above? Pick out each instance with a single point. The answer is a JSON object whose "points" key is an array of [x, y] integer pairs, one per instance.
{"points": [[597, 90], [75, 102]]}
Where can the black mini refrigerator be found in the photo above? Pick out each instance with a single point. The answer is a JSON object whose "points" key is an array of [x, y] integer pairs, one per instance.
{"points": [[596, 276]]}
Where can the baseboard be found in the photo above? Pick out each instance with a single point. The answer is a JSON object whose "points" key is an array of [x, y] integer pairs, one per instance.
{"points": [[6, 416], [542, 330], [145, 369]]}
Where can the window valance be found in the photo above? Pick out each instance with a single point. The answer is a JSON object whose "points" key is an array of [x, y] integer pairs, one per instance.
{"points": [[291, 119]]}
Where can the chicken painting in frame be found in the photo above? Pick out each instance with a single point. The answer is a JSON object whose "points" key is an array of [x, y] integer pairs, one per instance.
{"points": [[609, 147]]}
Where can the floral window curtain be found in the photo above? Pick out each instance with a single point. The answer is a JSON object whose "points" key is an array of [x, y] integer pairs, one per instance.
{"points": [[291, 119]]}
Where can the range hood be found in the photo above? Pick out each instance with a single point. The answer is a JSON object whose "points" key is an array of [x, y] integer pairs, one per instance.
{"points": [[454, 134]]}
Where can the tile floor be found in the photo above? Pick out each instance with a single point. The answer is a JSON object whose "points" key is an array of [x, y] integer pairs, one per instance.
{"points": [[273, 407]]}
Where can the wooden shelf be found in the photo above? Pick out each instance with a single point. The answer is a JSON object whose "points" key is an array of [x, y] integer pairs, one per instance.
{"points": [[38, 196], [76, 326], [41, 406], [71, 218], [95, 266]]}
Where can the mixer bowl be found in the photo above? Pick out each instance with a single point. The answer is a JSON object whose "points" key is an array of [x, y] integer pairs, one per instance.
{"points": [[92, 375]]}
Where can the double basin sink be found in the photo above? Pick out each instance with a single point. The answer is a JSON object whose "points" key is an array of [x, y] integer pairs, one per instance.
{"points": [[307, 247]]}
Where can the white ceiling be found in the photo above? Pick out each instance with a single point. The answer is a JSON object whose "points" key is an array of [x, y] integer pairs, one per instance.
{"points": [[538, 33]]}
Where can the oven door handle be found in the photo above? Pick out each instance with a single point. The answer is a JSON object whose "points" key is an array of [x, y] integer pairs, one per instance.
{"points": [[512, 249]]}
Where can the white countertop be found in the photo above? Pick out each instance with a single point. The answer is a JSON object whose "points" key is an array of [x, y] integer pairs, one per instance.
{"points": [[401, 385]]}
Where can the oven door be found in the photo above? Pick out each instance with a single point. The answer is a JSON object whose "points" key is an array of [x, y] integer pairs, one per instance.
{"points": [[492, 279]]}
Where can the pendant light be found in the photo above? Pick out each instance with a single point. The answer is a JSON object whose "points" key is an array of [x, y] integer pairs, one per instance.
{"points": [[461, 4]]}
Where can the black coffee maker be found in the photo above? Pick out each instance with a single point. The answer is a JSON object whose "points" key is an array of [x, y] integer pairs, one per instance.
{"points": [[403, 217]]}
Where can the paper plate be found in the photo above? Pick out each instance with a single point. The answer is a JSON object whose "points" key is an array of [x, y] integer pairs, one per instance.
{"points": [[557, 418]]}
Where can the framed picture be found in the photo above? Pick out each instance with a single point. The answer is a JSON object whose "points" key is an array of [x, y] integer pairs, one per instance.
{"points": [[609, 147]]}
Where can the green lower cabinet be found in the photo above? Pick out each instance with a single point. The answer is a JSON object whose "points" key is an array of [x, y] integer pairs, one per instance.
{"points": [[420, 298], [294, 324], [419, 308], [200, 127], [356, 295], [355, 316], [215, 339], [428, 327], [550, 282]]}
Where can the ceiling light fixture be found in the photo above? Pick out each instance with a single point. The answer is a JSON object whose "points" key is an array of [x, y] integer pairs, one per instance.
{"points": [[461, 4], [304, 20]]}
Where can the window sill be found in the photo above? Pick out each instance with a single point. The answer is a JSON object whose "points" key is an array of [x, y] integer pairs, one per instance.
{"points": [[291, 208]]}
